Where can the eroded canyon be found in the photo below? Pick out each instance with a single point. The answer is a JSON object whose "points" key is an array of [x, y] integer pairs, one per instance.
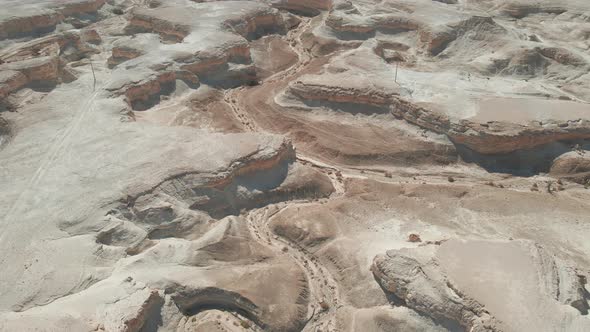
{"points": [[295, 165]]}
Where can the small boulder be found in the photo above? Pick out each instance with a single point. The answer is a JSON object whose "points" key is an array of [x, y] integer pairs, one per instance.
{"points": [[414, 238]]}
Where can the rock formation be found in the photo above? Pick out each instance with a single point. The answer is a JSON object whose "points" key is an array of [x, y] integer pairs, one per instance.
{"points": [[572, 165], [30, 17], [458, 281]]}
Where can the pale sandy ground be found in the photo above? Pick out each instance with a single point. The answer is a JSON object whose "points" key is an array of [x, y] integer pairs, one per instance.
{"points": [[523, 111]]}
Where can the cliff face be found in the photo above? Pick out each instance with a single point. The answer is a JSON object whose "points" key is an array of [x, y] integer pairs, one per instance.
{"points": [[22, 26], [139, 95], [349, 81], [10, 81], [121, 54], [146, 21], [506, 137], [493, 137], [44, 19], [43, 70], [77, 7], [308, 7], [41, 63], [233, 191]]}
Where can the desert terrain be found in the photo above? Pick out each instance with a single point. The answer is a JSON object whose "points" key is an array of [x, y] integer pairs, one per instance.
{"points": [[295, 165]]}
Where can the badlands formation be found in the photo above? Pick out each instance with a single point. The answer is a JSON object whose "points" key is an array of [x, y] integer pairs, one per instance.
{"points": [[295, 165]]}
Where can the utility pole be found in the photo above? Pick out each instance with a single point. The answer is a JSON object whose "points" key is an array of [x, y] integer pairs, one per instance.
{"points": [[93, 76], [396, 66]]}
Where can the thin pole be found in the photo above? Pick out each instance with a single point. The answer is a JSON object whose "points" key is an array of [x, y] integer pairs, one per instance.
{"points": [[93, 76], [396, 65]]}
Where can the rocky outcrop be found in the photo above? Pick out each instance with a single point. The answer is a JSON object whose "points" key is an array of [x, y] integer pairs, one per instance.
{"points": [[10, 81], [574, 166], [435, 41], [346, 24], [306, 7], [136, 322], [62, 44], [347, 82], [29, 25], [246, 185], [349, 23], [90, 36], [220, 71], [248, 297], [422, 287], [44, 18], [439, 281], [491, 137], [211, 249], [145, 92], [174, 24], [504, 137], [5, 131], [143, 20], [394, 23], [295, 182], [190, 300], [436, 38], [263, 22], [38, 71], [121, 54], [76, 7], [338, 94], [40, 63], [393, 51], [526, 63], [140, 95], [216, 49], [520, 8], [365, 86], [209, 63], [131, 47], [562, 56], [420, 116]]}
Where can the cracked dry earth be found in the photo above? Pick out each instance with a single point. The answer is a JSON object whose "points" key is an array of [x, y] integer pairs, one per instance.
{"points": [[295, 165]]}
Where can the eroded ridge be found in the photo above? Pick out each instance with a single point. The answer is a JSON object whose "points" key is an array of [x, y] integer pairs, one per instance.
{"points": [[432, 280]]}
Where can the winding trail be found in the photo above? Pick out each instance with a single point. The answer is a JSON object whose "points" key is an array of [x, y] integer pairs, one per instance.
{"points": [[324, 297], [231, 96], [324, 294]]}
